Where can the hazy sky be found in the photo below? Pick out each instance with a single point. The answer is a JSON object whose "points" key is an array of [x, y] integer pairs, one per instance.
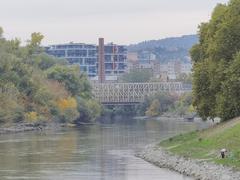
{"points": [[119, 21]]}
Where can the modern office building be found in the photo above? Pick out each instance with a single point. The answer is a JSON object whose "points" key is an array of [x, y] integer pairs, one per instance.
{"points": [[115, 59], [87, 57]]}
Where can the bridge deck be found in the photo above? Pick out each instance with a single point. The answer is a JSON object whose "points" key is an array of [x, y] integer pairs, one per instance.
{"points": [[124, 93]]}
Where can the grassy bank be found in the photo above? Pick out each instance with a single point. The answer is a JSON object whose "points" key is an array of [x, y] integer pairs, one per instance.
{"points": [[206, 144]]}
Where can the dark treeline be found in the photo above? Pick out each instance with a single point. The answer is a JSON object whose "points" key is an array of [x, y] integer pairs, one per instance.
{"points": [[37, 87]]}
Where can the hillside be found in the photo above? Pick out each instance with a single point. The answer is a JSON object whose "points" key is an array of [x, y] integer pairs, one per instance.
{"points": [[167, 49], [206, 144]]}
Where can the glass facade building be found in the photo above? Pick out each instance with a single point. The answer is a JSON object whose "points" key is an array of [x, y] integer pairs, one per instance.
{"points": [[86, 56]]}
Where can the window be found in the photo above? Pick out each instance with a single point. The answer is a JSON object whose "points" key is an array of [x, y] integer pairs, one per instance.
{"points": [[108, 49], [90, 61], [77, 53], [121, 49], [121, 66], [108, 66], [121, 58], [75, 60], [83, 68], [115, 58], [74, 46], [108, 58], [89, 46], [58, 53], [61, 46], [92, 52], [92, 69]]}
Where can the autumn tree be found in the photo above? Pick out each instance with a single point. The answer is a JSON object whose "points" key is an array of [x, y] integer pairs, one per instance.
{"points": [[37, 87]]}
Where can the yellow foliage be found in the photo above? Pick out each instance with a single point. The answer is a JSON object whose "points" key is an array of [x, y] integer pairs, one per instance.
{"points": [[67, 103], [31, 116], [153, 109], [191, 109]]}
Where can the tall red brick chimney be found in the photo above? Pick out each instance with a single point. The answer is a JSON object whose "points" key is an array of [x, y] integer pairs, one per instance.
{"points": [[101, 61]]}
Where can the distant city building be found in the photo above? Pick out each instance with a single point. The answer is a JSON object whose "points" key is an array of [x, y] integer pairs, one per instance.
{"points": [[163, 71], [132, 60], [174, 69], [186, 68], [115, 59], [86, 56], [146, 57], [142, 60]]}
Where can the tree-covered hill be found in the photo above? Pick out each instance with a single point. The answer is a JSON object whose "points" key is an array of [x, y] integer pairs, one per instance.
{"points": [[167, 49]]}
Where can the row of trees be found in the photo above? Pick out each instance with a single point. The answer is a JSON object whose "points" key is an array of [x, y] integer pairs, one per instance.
{"points": [[156, 105], [216, 60], [162, 103], [37, 87]]}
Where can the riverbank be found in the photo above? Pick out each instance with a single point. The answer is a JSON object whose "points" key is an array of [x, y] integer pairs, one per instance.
{"points": [[197, 154], [25, 127], [198, 169]]}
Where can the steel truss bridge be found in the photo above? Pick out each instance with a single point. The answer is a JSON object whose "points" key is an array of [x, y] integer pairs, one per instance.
{"points": [[133, 93]]}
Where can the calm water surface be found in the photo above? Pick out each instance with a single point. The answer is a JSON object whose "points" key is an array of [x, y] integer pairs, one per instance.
{"points": [[99, 152]]}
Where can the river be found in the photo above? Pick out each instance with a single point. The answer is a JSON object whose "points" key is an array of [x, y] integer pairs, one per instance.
{"points": [[96, 152]]}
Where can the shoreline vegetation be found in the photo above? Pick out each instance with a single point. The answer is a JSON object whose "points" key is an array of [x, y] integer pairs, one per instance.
{"points": [[197, 154], [156, 105], [38, 127], [32, 127], [38, 88]]}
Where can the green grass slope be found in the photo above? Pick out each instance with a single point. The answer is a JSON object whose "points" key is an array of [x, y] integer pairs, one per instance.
{"points": [[206, 144]]}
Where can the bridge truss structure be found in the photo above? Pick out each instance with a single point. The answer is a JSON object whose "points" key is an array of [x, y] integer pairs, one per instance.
{"points": [[133, 93]]}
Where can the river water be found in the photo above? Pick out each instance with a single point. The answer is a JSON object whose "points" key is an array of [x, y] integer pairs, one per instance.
{"points": [[96, 152]]}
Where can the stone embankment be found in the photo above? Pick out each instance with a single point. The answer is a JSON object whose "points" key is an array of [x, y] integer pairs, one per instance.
{"points": [[198, 169]]}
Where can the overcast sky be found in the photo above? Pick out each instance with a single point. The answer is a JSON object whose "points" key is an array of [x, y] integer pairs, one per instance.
{"points": [[119, 21]]}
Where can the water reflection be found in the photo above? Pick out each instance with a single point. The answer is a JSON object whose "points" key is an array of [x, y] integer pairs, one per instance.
{"points": [[99, 152]]}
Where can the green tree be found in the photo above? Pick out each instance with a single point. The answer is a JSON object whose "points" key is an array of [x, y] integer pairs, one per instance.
{"points": [[1, 32], [166, 102], [137, 75], [228, 100], [219, 43], [74, 81], [34, 43], [89, 110]]}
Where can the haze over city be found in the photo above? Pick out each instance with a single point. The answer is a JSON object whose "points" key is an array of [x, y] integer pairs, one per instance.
{"points": [[123, 22]]}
